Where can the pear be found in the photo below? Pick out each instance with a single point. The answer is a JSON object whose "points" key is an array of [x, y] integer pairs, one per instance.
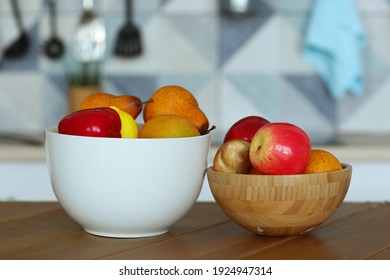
{"points": [[128, 103], [176, 100]]}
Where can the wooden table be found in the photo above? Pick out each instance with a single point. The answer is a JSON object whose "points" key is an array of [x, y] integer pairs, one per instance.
{"points": [[45, 231]]}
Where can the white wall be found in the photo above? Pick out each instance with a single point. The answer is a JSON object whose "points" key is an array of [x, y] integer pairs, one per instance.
{"points": [[29, 181], [25, 181]]}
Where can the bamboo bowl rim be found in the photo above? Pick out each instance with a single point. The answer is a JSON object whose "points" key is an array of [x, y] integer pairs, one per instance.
{"points": [[347, 168]]}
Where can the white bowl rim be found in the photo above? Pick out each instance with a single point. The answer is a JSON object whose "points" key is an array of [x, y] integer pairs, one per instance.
{"points": [[54, 131]]}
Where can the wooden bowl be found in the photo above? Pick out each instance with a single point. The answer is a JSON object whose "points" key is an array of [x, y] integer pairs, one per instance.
{"points": [[280, 205]]}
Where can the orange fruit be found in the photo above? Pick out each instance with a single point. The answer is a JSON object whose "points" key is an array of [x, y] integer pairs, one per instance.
{"points": [[128, 103], [168, 126], [175, 100], [322, 161]]}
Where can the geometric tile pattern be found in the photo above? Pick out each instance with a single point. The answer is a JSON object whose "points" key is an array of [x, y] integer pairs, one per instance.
{"points": [[315, 92], [234, 32], [235, 66]]}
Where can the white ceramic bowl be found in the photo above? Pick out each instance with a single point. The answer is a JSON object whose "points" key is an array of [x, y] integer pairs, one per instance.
{"points": [[126, 187]]}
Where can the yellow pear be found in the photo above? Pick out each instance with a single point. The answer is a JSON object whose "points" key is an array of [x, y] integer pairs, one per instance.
{"points": [[168, 126]]}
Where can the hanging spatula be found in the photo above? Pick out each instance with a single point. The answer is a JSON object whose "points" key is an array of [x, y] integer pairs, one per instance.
{"points": [[19, 47], [129, 38]]}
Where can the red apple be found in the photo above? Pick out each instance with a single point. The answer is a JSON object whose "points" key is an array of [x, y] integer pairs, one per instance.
{"points": [[233, 157], [280, 149], [245, 128], [254, 172]]}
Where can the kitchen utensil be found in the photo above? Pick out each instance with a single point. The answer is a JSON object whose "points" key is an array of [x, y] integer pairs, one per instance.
{"points": [[236, 7], [54, 47], [19, 47], [90, 37], [129, 38], [280, 205], [126, 187]]}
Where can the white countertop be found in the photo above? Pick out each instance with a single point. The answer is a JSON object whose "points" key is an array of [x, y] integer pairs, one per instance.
{"points": [[21, 152], [351, 147]]}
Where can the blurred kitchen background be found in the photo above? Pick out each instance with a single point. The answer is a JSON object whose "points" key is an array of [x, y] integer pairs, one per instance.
{"points": [[236, 61], [235, 64]]}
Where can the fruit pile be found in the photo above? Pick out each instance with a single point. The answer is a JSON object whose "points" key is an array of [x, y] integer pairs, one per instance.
{"points": [[253, 145], [172, 111]]}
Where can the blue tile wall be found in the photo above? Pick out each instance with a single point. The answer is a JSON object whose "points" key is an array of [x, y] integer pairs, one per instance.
{"points": [[235, 66]]}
